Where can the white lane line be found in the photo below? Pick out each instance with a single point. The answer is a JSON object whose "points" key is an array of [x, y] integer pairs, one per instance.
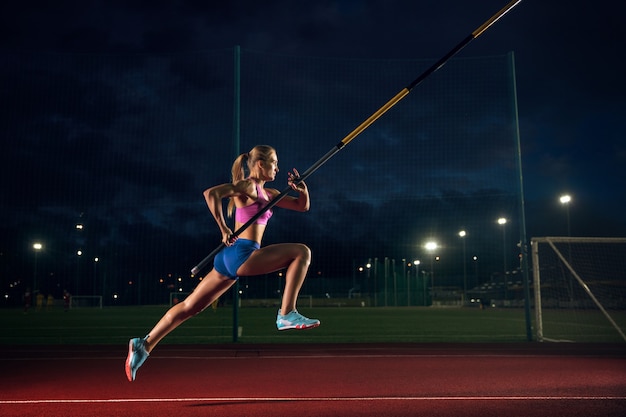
{"points": [[318, 399]]}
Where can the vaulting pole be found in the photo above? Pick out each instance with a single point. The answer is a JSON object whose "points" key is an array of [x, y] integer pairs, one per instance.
{"points": [[392, 102]]}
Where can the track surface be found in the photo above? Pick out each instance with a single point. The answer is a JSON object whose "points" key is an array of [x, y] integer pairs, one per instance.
{"points": [[317, 380]]}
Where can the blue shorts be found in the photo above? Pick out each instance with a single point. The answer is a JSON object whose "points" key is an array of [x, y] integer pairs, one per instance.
{"points": [[228, 260]]}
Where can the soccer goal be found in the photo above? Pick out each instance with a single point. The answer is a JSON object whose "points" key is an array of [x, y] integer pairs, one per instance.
{"points": [[579, 288], [85, 301]]}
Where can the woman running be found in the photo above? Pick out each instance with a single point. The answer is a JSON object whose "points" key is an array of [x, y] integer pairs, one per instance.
{"points": [[242, 255]]}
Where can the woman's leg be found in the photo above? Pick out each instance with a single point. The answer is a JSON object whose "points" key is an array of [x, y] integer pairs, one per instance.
{"points": [[208, 290], [296, 257]]}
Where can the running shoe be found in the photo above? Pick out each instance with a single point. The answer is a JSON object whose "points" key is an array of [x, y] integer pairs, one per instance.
{"points": [[295, 320], [137, 355]]}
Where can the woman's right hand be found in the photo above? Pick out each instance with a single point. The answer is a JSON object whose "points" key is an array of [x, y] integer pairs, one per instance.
{"points": [[227, 237]]}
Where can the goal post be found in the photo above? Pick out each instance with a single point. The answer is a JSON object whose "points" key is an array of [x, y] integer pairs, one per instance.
{"points": [[85, 301], [579, 287]]}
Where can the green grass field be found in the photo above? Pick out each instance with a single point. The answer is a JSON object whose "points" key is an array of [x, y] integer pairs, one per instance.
{"points": [[115, 325]]}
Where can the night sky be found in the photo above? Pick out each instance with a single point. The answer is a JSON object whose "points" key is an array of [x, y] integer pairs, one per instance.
{"points": [[571, 103]]}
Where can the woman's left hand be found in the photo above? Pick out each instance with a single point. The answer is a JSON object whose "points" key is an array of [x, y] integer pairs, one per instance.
{"points": [[292, 181]]}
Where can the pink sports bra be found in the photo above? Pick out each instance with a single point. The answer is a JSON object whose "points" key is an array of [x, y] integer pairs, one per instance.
{"points": [[243, 214]]}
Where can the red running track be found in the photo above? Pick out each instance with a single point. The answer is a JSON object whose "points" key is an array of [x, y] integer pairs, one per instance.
{"points": [[510, 380]]}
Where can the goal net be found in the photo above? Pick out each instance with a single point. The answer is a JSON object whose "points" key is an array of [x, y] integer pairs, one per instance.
{"points": [[579, 289], [85, 301]]}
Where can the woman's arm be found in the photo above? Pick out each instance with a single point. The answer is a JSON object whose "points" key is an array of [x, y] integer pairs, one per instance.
{"points": [[214, 197], [299, 203]]}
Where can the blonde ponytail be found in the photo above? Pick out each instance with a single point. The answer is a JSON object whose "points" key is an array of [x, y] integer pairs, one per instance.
{"points": [[238, 173], [238, 170]]}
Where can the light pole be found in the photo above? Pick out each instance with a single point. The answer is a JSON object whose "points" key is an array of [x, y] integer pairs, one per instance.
{"points": [[37, 246], [368, 268], [431, 246], [416, 263], [502, 222], [95, 274], [462, 235], [79, 254], [406, 268], [475, 259], [80, 227], [565, 199]]}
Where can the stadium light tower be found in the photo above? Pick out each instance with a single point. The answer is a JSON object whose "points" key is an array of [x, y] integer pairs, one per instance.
{"points": [[431, 246], [565, 200], [37, 246], [502, 222], [95, 273], [79, 254], [462, 235], [416, 264]]}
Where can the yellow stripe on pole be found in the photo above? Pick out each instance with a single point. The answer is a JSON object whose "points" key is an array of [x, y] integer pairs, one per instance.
{"points": [[360, 128], [495, 18]]}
